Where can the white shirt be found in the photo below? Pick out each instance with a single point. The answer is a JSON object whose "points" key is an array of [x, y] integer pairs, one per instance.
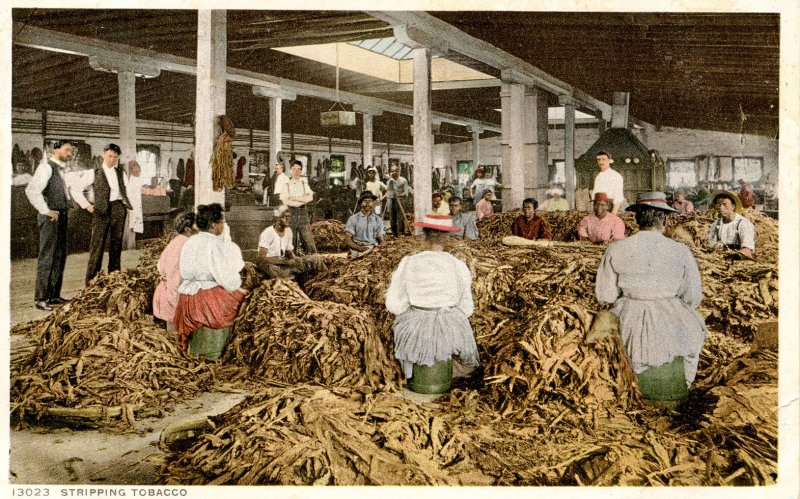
{"points": [[275, 244], [610, 182], [208, 261], [725, 233], [39, 181], [377, 187], [280, 181], [295, 188], [431, 279], [86, 179]]}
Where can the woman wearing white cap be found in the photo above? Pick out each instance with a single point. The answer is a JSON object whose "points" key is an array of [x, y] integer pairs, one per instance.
{"points": [[556, 201], [431, 295], [654, 284]]}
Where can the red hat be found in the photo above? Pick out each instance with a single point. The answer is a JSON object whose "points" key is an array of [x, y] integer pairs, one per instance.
{"points": [[443, 223], [600, 197]]}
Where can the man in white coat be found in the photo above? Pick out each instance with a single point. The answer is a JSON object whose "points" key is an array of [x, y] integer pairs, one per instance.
{"points": [[609, 181]]}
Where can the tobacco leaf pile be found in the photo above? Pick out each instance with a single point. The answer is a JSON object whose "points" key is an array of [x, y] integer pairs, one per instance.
{"points": [[563, 224], [329, 236], [282, 335]]}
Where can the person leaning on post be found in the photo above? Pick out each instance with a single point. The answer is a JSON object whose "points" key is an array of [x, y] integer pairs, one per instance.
{"points": [[654, 285], [430, 294]]}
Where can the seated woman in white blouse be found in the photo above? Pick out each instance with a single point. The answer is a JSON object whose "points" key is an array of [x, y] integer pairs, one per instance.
{"points": [[211, 287], [276, 255], [431, 295]]}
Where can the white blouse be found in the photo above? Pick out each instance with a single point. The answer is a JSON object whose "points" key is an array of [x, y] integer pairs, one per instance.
{"points": [[208, 261], [275, 244], [431, 279]]}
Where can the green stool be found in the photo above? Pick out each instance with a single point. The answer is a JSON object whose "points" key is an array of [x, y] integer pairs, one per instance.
{"points": [[208, 343], [665, 385], [432, 379]]}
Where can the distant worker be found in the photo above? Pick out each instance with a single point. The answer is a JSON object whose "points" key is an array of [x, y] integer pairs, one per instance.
{"points": [[276, 255], [731, 230], [682, 205], [364, 229], [484, 208], [601, 226], [555, 201], [465, 222], [376, 187], [430, 294], [480, 184], [530, 225], [397, 190], [746, 195], [438, 204], [609, 181], [297, 194], [654, 285]]}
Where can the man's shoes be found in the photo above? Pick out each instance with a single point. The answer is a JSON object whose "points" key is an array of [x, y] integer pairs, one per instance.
{"points": [[57, 301], [43, 305]]}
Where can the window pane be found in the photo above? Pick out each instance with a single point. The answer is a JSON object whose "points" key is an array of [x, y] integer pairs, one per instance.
{"points": [[681, 173], [748, 169]]}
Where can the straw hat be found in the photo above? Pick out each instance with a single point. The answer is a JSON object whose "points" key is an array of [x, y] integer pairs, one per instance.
{"points": [[733, 197], [443, 223]]}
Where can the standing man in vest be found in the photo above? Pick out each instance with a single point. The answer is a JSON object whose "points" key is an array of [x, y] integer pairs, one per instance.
{"points": [[47, 192], [609, 181], [109, 211]]}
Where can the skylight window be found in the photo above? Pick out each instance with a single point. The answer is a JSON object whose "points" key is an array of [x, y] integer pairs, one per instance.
{"points": [[389, 47]]}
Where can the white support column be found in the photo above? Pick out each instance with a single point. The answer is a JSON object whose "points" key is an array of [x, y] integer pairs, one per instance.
{"points": [[423, 136], [367, 141], [512, 120], [127, 115], [569, 148], [476, 145], [275, 131], [212, 44], [535, 142]]}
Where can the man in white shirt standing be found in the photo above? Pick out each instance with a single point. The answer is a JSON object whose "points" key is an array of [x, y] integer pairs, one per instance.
{"points": [[47, 192], [609, 181], [296, 194], [109, 210]]}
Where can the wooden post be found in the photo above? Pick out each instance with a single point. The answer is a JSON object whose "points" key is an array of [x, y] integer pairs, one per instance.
{"points": [[275, 131], [569, 148], [512, 119], [212, 42]]}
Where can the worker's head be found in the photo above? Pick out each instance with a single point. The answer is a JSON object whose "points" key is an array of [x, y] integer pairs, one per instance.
{"points": [[111, 154], [62, 150], [727, 204], [279, 168], [651, 210], [211, 218], [556, 192], [297, 169], [283, 217], [487, 194], [134, 168], [367, 202], [185, 224], [455, 205], [529, 206], [394, 171], [680, 196], [437, 228], [480, 172], [600, 204], [447, 193], [436, 199], [371, 173], [604, 160]]}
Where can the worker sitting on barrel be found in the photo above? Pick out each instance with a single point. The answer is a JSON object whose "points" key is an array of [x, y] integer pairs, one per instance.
{"points": [[731, 230], [431, 296], [530, 225], [654, 284], [276, 256], [211, 287], [602, 226], [364, 229]]}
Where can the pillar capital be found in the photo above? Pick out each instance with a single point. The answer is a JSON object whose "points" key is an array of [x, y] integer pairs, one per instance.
{"points": [[366, 109], [131, 65], [413, 37], [475, 129], [567, 100]]}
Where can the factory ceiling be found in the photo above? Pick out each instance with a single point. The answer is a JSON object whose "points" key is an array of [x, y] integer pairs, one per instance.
{"points": [[700, 71]]}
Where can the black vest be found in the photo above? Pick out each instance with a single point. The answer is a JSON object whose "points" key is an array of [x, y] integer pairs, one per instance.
{"points": [[55, 192], [102, 191]]}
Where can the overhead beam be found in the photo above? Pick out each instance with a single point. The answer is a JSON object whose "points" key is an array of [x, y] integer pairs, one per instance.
{"points": [[54, 41], [437, 85], [427, 27]]}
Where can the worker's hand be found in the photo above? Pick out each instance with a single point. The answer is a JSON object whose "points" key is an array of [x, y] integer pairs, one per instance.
{"points": [[53, 215], [90, 208], [746, 252]]}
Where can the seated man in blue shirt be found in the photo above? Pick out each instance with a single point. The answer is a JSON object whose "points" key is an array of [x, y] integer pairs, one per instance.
{"points": [[364, 229]]}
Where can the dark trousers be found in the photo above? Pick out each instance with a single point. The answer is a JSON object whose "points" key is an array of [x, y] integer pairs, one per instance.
{"points": [[52, 256], [106, 229], [301, 231], [398, 220]]}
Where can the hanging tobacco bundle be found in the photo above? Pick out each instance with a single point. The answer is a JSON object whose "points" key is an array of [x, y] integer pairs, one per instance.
{"points": [[222, 161]]}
